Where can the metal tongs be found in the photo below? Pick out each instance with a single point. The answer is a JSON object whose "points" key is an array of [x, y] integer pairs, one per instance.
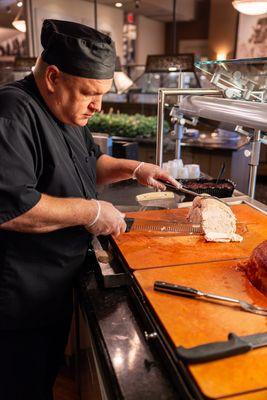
{"points": [[175, 189], [191, 292]]}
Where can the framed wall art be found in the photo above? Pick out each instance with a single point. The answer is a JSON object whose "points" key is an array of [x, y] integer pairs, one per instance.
{"points": [[251, 36]]}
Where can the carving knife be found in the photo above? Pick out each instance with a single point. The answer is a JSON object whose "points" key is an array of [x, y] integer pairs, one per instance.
{"points": [[217, 350], [139, 224], [177, 190]]}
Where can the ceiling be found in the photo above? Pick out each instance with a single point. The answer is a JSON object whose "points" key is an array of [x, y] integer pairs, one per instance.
{"points": [[161, 10], [8, 11]]}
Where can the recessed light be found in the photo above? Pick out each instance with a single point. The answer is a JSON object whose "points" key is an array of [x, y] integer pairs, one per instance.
{"points": [[118, 4], [19, 3]]}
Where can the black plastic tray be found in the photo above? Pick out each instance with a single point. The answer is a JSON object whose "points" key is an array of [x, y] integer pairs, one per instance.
{"points": [[216, 189]]}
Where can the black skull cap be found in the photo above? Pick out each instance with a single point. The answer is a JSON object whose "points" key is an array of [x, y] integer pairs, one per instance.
{"points": [[78, 49]]}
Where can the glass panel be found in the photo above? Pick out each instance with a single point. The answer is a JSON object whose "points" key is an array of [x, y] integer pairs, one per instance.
{"points": [[243, 79], [147, 85]]}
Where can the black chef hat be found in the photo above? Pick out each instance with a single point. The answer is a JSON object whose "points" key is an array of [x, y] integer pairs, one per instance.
{"points": [[77, 49]]}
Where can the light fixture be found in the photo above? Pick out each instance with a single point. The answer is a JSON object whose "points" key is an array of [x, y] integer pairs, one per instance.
{"points": [[19, 23], [221, 55], [19, 3], [121, 81], [118, 4], [250, 7]]}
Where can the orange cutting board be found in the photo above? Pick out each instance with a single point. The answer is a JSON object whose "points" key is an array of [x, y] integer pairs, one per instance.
{"points": [[191, 322], [141, 250]]}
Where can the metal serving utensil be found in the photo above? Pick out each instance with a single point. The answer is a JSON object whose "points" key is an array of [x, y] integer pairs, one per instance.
{"points": [[188, 291]]}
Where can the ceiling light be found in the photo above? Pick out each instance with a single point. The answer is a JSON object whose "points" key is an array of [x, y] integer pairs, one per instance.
{"points": [[118, 4], [20, 25], [19, 3], [250, 7], [19, 22], [172, 69], [122, 82]]}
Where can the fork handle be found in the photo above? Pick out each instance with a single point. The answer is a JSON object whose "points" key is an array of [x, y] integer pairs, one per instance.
{"points": [[176, 289]]}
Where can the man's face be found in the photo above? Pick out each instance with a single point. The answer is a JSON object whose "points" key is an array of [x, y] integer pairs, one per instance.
{"points": [[76, 99]]}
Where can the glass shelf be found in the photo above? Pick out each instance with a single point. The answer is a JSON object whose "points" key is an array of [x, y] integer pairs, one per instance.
{"points": [[243, 79]]}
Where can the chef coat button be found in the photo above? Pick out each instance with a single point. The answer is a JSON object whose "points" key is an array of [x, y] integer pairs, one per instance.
{"points": [[86, 159]]}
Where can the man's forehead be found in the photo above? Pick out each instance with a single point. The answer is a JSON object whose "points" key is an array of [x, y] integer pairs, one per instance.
{"points": [[96, 84]]}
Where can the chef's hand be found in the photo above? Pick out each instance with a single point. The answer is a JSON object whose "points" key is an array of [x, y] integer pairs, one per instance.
{"points": [[107, 220], [148, 175]]}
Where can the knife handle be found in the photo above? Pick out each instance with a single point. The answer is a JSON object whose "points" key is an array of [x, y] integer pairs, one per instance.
{"points": [[129, 222], [176, 289], [214, 351]]}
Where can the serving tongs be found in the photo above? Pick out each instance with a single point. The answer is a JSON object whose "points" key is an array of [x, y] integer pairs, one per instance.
{"points": [[176, 190], [195, 293]]}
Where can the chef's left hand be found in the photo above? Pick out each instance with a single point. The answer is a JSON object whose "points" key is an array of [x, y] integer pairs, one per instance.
{"points": [[148, 175]]}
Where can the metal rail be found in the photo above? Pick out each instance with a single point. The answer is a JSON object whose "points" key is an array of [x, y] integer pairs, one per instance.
{"points": [[254, 162], [161, 105]]}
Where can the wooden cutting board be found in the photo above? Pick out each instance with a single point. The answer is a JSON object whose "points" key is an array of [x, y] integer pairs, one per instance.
{"points": [[142, 250], [191, 322]]}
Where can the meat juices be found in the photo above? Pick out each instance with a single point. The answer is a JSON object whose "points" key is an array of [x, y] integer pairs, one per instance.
{"points": [[256, 267], [217, 219]]}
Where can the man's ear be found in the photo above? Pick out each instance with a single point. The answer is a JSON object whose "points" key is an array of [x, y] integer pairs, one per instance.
{"points": [[52, 76]]}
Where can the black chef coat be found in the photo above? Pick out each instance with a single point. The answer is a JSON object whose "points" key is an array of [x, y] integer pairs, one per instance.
{"points": [[39, 154]]}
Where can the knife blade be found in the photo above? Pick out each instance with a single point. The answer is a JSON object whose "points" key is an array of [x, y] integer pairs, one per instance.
{"points": [[216, 350], [138, 224]]}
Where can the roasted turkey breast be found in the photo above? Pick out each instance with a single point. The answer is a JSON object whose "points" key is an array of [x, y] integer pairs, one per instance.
{"points": [[217, 219]]}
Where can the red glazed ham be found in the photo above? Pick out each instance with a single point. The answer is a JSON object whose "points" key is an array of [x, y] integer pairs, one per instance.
{"points": [[256, 267]]}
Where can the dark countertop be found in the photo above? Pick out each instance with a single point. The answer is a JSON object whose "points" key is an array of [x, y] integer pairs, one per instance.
{"points": [[129, 369]]}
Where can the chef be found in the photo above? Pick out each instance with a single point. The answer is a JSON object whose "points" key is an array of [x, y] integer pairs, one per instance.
{"points": [[49, 168]]}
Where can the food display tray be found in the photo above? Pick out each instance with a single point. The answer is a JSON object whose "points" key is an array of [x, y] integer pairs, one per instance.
{"points": [[219, 188]]}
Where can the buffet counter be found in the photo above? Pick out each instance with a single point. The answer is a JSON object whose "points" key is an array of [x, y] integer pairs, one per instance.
{"points": [[135, 331]]}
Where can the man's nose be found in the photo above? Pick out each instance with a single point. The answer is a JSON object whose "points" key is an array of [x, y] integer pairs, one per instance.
{"points": [[96, 104]]}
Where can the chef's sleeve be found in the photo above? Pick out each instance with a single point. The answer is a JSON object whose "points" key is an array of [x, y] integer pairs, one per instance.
{"points": [[18, 168], [92, 147]]}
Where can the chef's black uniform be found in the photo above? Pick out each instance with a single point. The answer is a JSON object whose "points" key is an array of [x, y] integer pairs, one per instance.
{"points": [[38, 154]]}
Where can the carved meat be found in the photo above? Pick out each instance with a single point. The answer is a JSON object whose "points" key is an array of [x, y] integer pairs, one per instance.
{"points": [[217, 219], [256, 267]]}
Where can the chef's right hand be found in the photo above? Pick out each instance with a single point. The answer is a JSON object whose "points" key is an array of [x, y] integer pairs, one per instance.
{"points": [[109, 222]]}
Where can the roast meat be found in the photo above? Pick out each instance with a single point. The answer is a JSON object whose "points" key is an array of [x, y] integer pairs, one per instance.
{"points": [[217, 219], [256, 267]]}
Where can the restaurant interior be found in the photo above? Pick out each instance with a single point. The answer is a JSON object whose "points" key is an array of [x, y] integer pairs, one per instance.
{"points": [[189, 94]]}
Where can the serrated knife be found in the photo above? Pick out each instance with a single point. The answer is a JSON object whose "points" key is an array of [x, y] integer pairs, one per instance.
{"points": [[163, 226]]}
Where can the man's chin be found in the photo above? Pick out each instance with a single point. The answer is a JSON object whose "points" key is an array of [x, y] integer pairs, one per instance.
{"points": [[82, 121]]}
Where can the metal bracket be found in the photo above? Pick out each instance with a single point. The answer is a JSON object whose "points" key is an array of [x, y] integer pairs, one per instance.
{"points": [[182, 121], [240, 130], [160, 116], [149, 336]]}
